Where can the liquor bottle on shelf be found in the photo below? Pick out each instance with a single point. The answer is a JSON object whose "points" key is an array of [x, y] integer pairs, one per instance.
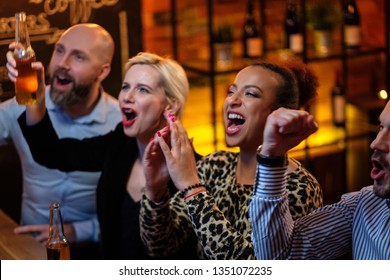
{"points": [[292, 26], [57, 246], [252, 42], [26, 83], [338, 101], [351, 25]]}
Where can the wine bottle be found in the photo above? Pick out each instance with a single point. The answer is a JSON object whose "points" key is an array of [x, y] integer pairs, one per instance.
{"points": [[252, 42], [292, 26], [351, 25], [338, 100], [57, 245]]}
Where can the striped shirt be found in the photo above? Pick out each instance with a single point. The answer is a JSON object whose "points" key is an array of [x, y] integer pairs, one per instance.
{"points": [[358, 223]]}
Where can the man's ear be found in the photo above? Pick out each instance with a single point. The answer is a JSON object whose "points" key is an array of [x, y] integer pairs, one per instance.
{"points": [[104, 71]]}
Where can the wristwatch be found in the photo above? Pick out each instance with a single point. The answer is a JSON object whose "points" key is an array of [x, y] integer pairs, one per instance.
{"points": [[270, 160]]}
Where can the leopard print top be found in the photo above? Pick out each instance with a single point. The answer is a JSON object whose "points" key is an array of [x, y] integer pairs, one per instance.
{"points": [[219, 216]]}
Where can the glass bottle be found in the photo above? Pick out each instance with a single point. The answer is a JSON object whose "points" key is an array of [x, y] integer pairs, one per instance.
{"points": [[252, 43], [57, 246], [338, 101], [26, 83], [292, 26], [351, 25]]}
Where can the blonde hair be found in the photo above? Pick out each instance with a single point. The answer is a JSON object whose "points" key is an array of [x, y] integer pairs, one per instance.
{"points": [[173, 77]]}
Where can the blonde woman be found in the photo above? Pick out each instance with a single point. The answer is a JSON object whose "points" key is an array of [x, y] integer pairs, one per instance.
{"points": [[152, 85]]}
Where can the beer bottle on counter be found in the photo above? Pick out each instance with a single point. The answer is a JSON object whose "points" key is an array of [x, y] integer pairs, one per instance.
{"points": [[292, 26], [26, 83], [57, 245], [351, 25], [338, 101], [252, 43]]}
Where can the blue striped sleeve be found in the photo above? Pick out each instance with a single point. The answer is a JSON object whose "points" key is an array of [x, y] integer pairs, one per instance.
{"points": [[266, 209], [270, 181], [323, 234]]}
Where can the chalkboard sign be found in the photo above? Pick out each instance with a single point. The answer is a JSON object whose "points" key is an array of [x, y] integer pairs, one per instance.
{"points": [[49, 18]]}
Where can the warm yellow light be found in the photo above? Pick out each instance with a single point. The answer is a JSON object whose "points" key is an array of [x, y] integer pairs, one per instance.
{"points": [[382, 94]]}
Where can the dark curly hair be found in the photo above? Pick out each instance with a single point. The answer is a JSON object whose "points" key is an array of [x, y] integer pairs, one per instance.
{"points": [[298, 83]]}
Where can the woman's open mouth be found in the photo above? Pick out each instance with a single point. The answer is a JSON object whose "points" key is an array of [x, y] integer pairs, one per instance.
{"points": [[129, 116], [234, 123]]}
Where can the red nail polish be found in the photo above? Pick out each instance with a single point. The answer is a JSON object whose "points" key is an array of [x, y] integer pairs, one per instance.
{"points": [[171, 116], [158, 133]]}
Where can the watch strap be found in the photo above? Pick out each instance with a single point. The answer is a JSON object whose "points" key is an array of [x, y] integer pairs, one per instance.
{"points": [[271, 161]]}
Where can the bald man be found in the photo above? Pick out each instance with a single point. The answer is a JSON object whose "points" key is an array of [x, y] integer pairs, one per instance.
{"points": [[79, 108]]}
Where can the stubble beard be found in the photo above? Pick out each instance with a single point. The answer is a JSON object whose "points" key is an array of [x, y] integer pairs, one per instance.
{"points": [[68, 98], [382, 190]]}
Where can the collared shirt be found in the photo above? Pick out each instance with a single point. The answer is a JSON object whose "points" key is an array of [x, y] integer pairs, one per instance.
{"points": [[359, 223], [76, 191]]}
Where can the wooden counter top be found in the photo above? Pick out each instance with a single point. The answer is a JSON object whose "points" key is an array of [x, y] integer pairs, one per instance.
{"points": [[18, 246]]}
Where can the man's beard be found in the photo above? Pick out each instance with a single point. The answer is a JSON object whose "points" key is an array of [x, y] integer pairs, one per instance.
{"points": [[382, 188], [68, 98], [382, 191]]}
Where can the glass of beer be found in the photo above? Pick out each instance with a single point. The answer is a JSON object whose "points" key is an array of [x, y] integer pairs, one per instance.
{"points": [[26, 83]]}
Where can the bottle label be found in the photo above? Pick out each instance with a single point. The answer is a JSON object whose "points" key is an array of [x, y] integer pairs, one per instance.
{"points": [[352, 35], [296, 43], [339, 109], [254, 47]]}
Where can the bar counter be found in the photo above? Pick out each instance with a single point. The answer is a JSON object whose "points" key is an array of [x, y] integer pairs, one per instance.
{"points": [[17, 246]]}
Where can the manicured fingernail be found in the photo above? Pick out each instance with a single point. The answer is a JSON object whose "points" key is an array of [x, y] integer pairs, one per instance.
{"points": [[158, 133], [171, 116]]}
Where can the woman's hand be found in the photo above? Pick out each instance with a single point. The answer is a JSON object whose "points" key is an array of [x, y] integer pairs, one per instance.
{"points": [[179, 155], [155, 168]]}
